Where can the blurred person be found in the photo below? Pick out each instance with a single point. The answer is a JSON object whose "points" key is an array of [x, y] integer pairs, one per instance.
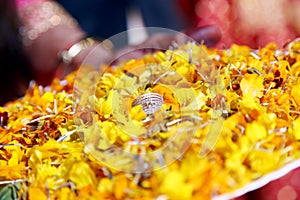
{"points": [[46, 31], [14, 67], [37, 39], [105, 18], [248, 22]]}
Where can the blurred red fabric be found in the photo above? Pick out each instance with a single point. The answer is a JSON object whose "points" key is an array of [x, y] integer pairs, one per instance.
{"points": [[285, 188], [253, 23]]}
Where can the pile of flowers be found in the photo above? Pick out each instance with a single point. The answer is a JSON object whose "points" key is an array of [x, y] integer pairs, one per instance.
{"points": [[243, 105]]}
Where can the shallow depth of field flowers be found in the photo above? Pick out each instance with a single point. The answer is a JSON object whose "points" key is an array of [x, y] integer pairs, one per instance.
{"points": [[42, 155]]}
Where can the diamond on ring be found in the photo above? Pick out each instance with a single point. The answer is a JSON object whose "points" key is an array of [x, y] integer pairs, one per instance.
{"points": [[150, 102]]}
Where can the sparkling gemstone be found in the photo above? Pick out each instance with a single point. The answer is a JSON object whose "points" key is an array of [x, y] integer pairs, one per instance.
{"points": [[150, 102]]}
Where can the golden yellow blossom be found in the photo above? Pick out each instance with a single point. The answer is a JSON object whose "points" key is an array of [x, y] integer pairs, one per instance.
{"points": [[174, 185], [36, 193], [77, 170], [296, 94], [255, 131], [252, 84], [296, 127]]}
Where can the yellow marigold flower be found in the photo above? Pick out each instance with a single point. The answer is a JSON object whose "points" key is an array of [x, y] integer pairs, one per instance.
{"points": [[48, 97], [262, 161], [296, 94], [255, 131], [12, 172], [36, 193], [137, 113], [104, 106], [295, 69], [174, 185], [105, 186], [82, 175], [296, 128], [252, 84], [120, 187]]}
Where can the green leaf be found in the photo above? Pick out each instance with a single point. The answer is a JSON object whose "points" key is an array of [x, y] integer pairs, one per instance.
{"points": [[9, 192]]}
